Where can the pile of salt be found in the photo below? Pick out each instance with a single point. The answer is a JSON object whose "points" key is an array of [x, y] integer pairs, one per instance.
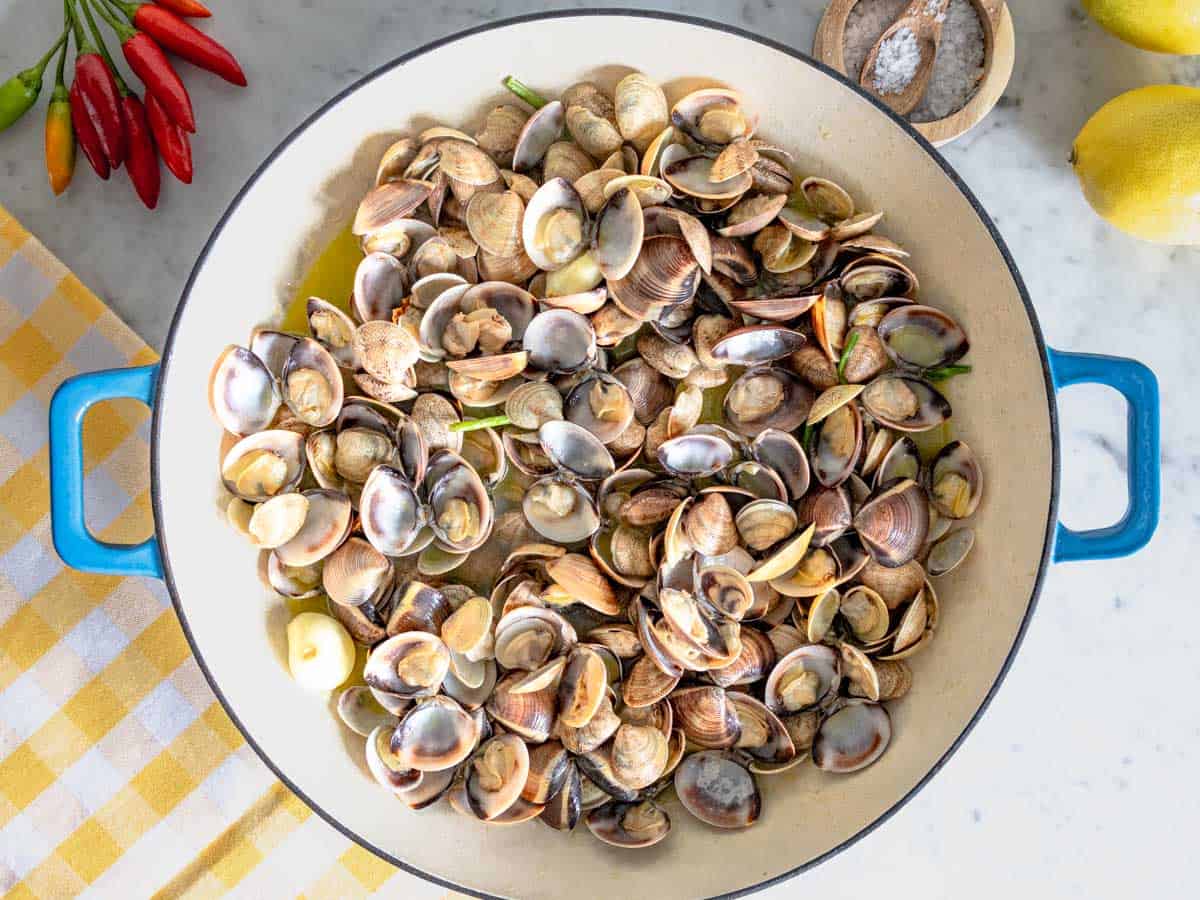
{"points": [[957, 68]]}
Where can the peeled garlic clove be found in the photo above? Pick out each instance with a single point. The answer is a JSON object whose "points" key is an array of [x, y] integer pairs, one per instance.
{"points": [[320, 651]]}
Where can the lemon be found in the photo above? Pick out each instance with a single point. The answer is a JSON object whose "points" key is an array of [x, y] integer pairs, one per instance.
{"points": [[1138, 161], [1165, 26]]}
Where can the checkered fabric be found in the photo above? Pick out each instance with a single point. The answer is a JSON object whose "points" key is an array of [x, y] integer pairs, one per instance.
{"points": [[120, 774]]}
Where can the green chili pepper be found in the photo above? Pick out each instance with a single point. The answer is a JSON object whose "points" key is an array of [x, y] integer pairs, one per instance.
{"points": [[528, 94], [21, 91]]}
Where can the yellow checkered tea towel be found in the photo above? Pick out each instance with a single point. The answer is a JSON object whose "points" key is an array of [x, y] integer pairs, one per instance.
{"points": [[120, 775]]}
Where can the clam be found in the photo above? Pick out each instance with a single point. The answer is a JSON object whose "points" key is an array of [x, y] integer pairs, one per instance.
{"points": [[762, 524], [852, 738], [893, 523], [756, 344], [712, 116], [461, 513], [264, 465], [709, 525], [566, 160], [549, 766], [496, 776], [782, 453], [641, 111], [695, 454], [764, 736], [560, 510], [435, 735], [529, 714], [664, 274], [575, 449], [387, 202], [922, 337], [581, 581], [241, 392], [901, 461], [694, 176], [948, 553], [332, 329], [326, 525], [629, 825], [905, 403], [590, 187], [837, 446], [650, 390], [649, 191], [871, 277], [563, 808], [802, 679], [380, 286], [361, 712], [539, 132], [955, 481], [596, 134], [829, 511], [718, 790], [356, 573], [409, 665], [494, 222], [553, 229], [500, 132], [618, 238], [706, 716], [755, 660], [767, 397], [559, 340], [646, 683], [294, 582], [592, 735], [601, 405]]}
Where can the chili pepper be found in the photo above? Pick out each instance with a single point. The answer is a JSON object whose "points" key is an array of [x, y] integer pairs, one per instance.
{"points": [[183, 40], [151, 65], [98, 89], [142, 158], [172, 140], [85, 132], [21, 91], [142, 164], [192, 9], [60, 136]]}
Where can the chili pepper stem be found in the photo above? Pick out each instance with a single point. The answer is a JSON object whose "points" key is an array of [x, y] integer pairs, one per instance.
{"points": [[476, 424], [526, 93], [124, 32], [122, 87]]}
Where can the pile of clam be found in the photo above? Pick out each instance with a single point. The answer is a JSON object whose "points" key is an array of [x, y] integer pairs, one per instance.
{"points": [[676, 400]]}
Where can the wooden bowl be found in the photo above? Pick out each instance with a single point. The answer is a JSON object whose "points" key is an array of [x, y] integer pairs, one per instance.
{"points": [[999, 47]]}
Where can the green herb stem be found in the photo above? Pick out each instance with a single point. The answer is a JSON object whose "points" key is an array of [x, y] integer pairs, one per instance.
{"points": [[945, 372], [526, 93], [476, 424], [846, 351]]}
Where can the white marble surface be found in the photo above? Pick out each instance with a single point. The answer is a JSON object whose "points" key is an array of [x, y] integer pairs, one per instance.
{"points": [[1081, 779]]}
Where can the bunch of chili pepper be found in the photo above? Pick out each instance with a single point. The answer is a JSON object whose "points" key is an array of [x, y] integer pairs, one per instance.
{"points": [[99, 113]]}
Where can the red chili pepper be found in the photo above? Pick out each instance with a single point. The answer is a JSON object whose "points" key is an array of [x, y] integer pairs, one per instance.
{"points": [[151, 65], [190, 8], [172, 140], [143, 160], [183, 40], [85, 132], [103, 104], [98, 90]]}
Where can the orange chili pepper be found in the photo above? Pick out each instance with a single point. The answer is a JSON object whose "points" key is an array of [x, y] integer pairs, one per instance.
{"points": [[60, 133], [60, 141]]}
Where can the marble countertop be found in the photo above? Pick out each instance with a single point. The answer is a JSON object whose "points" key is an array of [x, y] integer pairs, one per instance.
{"points": [[1081, 779]]}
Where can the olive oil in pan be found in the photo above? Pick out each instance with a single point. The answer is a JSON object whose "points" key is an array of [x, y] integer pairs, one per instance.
{"points": [[330, 278]]}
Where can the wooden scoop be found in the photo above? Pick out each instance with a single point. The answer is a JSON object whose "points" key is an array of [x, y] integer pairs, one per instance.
{"points": [[924, 19]]}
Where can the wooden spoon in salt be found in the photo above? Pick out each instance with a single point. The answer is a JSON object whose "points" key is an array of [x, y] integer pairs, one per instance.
{"points": [[898, 67]]}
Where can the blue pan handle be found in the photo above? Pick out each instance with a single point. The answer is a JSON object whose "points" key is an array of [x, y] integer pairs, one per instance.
{"points": [[74, 542], [1140, 389]]}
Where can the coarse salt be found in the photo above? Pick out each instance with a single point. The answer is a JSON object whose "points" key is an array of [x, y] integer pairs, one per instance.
{"points": [[957, 68], [897, 62]]}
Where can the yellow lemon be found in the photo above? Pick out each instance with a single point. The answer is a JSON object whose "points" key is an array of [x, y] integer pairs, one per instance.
{"points": [[1165, 26], [1138, 160]]}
